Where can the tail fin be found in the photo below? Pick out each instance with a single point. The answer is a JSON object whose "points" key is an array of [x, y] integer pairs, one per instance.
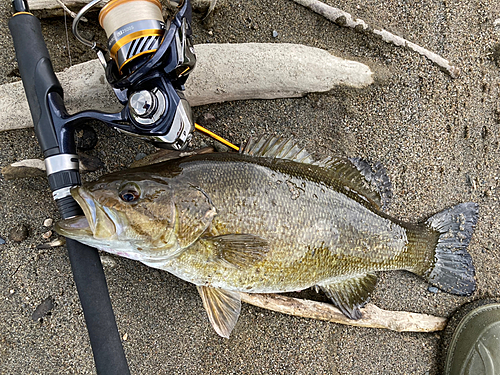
{"points": [[453, 271]]}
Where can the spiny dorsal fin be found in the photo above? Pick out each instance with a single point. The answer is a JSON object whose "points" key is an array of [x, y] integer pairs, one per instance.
{"points": [[223, 308], [367, 184], [348, 295], [276, 147], [166, 155], [238, 250]]}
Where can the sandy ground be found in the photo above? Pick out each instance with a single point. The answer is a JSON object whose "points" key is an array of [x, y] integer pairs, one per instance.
{"points": [[437, 136]]}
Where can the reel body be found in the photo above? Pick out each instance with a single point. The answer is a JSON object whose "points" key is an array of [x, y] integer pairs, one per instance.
{"points": [[149, 62]]}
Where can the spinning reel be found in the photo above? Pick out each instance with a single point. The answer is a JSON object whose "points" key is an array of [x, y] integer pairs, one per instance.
{"points": [[147, 62]]}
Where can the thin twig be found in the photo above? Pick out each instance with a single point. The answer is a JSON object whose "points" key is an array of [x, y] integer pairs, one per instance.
{"points": [[345, 19], [210, 9], [372, 316], [69, 11]]}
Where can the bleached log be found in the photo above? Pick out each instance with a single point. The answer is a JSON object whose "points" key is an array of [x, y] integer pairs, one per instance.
{"points": [[52, 8], [343, 18], [36, 167], [372, 316], [224, 72], [227, 72]]}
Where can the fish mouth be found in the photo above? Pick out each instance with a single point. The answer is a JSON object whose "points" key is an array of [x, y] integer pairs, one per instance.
{"points": [[75, 227], [96, 223]]}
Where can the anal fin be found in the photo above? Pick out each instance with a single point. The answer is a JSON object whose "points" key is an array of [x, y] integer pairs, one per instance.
{"points": [[238, 250], [223, 308], [349, 294]]}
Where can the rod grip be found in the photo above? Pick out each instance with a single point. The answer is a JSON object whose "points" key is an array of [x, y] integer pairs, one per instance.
{"points": [[37, 75]]}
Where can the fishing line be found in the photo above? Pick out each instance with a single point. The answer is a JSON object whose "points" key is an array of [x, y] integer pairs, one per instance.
{"points": [[133, 27], [67, 38], [215, 136]]}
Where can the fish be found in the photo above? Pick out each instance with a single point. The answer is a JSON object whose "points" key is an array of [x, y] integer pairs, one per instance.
{"points": [[270, 219]]}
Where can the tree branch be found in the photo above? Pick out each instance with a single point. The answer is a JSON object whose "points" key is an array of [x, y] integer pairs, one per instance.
{"points": [[373, 317], [342, 18]]}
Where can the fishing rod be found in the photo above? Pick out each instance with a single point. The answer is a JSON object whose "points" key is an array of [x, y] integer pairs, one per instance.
{"points": [[146, 63], [55, 136]]}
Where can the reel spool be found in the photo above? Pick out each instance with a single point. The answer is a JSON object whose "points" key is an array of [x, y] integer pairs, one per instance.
{"points": [[134, 29]]}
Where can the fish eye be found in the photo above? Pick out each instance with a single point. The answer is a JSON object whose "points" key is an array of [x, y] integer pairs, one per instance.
{"points": [[129, 193]]}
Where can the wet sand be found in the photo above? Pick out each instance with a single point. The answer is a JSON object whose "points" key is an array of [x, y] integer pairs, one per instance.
{"points": [[437, 136]]}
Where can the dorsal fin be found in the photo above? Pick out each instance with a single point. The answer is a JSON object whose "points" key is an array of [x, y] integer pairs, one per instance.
{"points": [[360, 178], [367, 184], [276, 147], [375, 175]]}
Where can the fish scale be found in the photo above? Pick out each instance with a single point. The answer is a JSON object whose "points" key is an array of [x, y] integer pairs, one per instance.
{"points": [[270, 219], [253, 197]]}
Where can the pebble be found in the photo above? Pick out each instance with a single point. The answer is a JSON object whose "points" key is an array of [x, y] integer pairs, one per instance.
{"points": [[43, 309], [19, 233], [220, 147], [48, 222], [85, 137], [140, 155], [125, 337], [89, 163], [206, 119], [108, 261], [47, 235], [432, 289], [275, 34], [2, 241]]}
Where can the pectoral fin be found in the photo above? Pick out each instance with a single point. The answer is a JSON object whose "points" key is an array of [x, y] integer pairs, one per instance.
{"points": [[351, 294], [238, 250], [223, 308]]}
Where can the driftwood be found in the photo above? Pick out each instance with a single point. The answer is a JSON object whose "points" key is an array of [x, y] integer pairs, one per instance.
{"points": [[224, 72], [51, 8], [373, 317], [36, 167], [342, 18]]}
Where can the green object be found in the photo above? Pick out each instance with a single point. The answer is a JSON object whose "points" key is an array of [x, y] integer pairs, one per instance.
{"points": [[475, 345]]}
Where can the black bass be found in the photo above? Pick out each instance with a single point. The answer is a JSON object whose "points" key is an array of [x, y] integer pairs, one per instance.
{"points": [[267, 220]]}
